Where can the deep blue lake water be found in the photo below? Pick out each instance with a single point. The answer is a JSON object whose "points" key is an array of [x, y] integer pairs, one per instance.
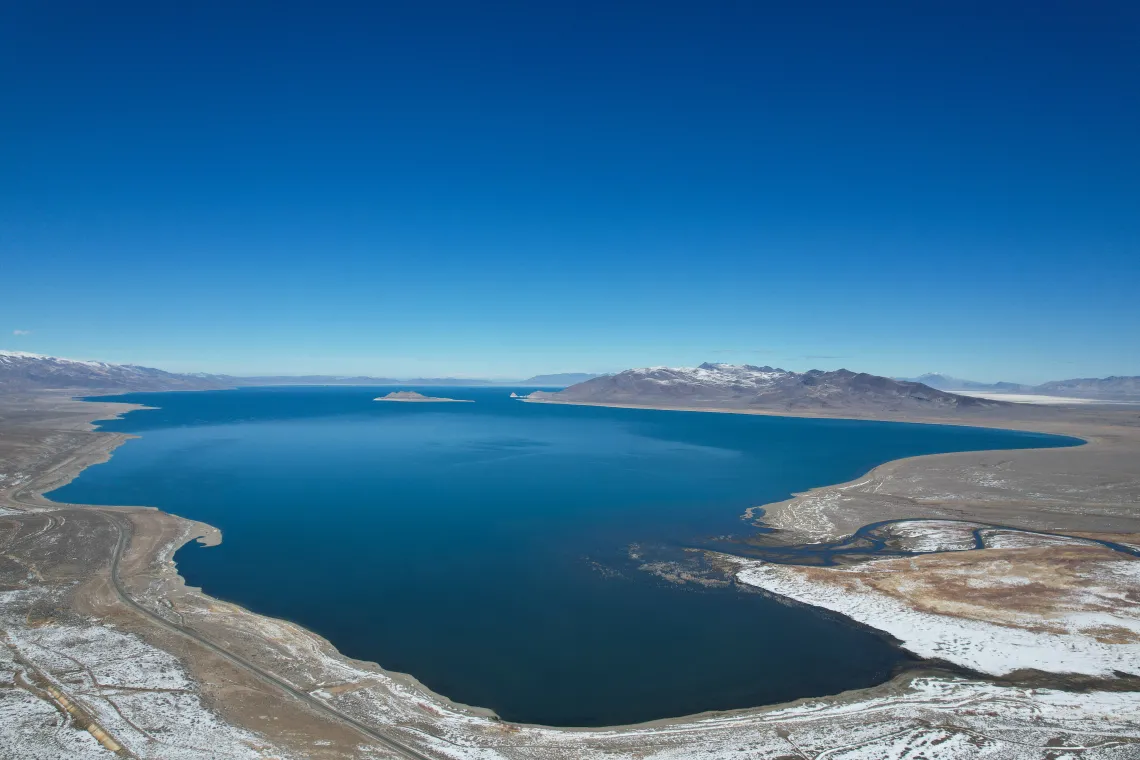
{"points": [[483, 547]]}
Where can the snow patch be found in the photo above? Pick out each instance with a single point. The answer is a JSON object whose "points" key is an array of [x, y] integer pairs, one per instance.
{"points": [[982, 646]]}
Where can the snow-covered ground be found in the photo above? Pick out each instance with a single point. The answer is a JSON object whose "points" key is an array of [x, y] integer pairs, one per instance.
{"points": [[1091, 628], [33, 729], [145, 700], [934, 535], [1016, 539], [139, 694], [713, 375], [935, 718]]}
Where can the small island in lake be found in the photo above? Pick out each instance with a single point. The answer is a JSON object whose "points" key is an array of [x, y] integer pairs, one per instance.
{"points": [[413, 396]]}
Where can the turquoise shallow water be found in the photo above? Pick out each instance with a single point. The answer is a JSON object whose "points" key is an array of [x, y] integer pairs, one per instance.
{"points": [[484, 548]]}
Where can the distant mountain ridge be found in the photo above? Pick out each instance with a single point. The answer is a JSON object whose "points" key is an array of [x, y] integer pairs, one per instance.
{"points": [[560, 378], [948, 383], [1092, 387], [746, 386], [712, 384], [21, 371], [1107, 388]]}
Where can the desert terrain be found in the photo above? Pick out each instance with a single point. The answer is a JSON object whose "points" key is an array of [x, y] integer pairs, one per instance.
{"points": [[108, 652]]}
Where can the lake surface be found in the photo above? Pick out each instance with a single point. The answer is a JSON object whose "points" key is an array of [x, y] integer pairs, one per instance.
{"points": [[485, 548]]}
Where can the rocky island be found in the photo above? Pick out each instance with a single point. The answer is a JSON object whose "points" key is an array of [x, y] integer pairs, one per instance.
{"points": [[418, 397]]}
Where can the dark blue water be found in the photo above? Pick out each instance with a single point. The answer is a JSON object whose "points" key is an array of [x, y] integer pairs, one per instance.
{"points": [[483, 547]]}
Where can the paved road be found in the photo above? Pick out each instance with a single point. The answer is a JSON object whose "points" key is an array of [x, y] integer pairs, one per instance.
{"points": [[123, 529], [122, 526]]}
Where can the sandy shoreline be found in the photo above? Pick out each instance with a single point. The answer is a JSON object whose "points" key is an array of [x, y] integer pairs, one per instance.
{"points": [[152, 578]]}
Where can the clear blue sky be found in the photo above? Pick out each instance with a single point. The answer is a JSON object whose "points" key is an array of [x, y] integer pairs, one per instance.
{"points": [[508, 188]]}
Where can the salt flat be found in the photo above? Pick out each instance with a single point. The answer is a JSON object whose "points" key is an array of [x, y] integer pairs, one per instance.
{"points": [[1036, 398]]}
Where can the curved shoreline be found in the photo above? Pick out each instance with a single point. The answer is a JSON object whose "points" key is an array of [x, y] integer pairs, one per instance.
{"points": [[29, 497], [764, 513], [787, 516], [201, 531], [105, 444], [209, 535], [192, 530]]}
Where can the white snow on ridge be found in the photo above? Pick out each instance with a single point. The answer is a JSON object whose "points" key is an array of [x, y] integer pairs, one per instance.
{"points": [[9, 355], [712, 375], [744, 382], [22, 355], [24, 367]]}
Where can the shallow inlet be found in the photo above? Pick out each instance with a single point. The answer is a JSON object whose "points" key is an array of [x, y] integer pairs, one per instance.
{"points": [[485, 548]]}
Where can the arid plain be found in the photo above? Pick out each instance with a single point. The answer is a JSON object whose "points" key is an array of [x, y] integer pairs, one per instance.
{"points": [[107, 650]]}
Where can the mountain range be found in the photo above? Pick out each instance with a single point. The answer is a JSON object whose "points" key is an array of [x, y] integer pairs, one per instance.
{"points": [[948, 383], [1093, 387], [22, 371], [1106, 388], [722, 385], [747, 387]]}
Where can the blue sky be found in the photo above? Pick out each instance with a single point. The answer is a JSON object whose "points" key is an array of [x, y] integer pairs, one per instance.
{"points": [[501, 189]]}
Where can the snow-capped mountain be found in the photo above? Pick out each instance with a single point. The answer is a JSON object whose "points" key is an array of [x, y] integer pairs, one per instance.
{"points": [[23, 371], [742, 386]]}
